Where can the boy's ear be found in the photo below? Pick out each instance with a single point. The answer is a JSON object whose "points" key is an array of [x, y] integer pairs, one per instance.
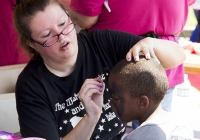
{"points": [[143, 102]]}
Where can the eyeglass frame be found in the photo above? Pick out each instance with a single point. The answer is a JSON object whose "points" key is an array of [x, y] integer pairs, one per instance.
{"points": [[44, 43]]}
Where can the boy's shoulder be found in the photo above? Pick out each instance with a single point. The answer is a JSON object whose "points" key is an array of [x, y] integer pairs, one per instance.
{"points": [[147, 132], [168, 127], [155, 132]]}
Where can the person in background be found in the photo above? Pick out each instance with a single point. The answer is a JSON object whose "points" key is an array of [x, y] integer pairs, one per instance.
{"points": [[137, 89], [195, 36], [158, 18], [10, 52], [60, 93]]}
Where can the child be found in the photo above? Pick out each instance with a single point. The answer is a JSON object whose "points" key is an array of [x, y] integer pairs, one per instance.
{"points": [[137, 89]]}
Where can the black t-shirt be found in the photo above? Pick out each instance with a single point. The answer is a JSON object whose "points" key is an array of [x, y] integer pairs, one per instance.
{"points": [[48, 105]]}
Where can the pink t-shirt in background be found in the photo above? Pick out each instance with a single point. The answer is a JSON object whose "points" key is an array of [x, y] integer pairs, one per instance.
{"points": [[10, 50], [163, 17]]}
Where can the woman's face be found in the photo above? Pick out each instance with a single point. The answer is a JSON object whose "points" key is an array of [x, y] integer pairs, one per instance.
{"points": [[48, 23]]}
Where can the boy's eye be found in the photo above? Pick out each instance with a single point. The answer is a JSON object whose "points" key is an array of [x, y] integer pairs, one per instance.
{"points": [[114, 98]]}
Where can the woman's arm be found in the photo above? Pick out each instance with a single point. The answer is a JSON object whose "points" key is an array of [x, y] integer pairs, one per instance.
{"points": [[83, 130], [169, 53], [91, 95]]}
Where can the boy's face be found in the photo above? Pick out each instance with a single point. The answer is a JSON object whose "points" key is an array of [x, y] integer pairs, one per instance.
{"points": [[124, 106]]}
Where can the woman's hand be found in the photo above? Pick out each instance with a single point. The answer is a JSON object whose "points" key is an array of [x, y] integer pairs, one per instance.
{"points": [[170, 54], [91, 95], [143, 47]]}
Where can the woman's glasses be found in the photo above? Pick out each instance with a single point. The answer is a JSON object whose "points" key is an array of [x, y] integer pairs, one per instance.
{"points": [[52, 40]]}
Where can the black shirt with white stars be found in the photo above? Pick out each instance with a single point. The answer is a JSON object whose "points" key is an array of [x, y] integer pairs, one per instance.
{"points": [[48, 106]]}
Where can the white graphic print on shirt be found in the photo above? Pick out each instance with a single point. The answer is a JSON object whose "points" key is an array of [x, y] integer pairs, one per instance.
{"points": [[74, 120]]}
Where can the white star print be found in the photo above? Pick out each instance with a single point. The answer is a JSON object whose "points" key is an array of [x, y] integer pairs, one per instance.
{"points": [[122, 130], [65, 121], [97, 137], [109, 129], [67, 111], [116, 124], [103, 120], [122, 125], [107, 74], [107, 89], [60, 128], [100, 128]]}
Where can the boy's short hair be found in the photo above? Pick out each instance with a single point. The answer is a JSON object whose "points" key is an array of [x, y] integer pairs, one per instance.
{"points": [[146, 77]]}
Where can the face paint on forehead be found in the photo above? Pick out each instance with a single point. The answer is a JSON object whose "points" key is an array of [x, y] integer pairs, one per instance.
{"points": [[115, 88], [119, 103]]}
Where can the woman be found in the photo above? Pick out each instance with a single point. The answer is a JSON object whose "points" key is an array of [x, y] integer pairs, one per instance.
{"points": [[57, 94]]}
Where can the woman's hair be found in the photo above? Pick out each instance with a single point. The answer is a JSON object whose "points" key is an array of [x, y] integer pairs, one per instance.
{"points": [[24, 11], [146, 77]]}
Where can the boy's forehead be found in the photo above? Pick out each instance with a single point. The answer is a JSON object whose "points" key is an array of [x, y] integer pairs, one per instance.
{"points": [[115, 87]]}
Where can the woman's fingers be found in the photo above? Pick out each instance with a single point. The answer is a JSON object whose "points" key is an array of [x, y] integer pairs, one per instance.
{"points": [[153, 55], [89, 84], [91, 92], [143, 47], [133, 53], [91, 95]]}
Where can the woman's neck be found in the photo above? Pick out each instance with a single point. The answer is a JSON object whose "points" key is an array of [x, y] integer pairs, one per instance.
{"points": [[63, 68]]}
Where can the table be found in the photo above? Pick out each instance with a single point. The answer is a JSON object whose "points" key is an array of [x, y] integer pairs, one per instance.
{"points": [[192, 63]]}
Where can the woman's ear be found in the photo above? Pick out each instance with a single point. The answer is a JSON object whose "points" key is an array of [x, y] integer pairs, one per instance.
{"points": [[143, 102], [31, 44]]}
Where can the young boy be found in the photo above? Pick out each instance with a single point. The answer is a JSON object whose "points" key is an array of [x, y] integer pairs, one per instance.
{"points": [[137, 89]]}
